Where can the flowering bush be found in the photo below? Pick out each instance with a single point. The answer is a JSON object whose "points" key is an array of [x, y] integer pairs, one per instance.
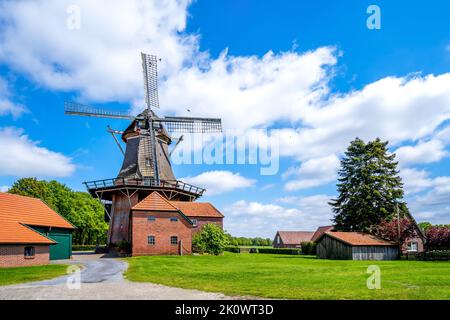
{"points": [[389, 230], [438, 237]]}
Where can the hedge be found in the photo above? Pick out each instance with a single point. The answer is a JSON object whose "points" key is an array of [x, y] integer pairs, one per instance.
{"points": [[279, 250], [85, 247], [434, 255]]}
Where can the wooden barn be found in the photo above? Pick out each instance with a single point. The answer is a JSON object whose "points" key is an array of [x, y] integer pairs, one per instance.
{"points": [[355, 246]]}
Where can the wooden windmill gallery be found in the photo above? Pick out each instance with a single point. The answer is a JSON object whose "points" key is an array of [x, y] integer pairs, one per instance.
{"points": [[146, 206]]}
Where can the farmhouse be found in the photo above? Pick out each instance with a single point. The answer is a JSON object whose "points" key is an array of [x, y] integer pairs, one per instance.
{"points": [[355, 246], [291, 239], [31, 233], [160, 226]]}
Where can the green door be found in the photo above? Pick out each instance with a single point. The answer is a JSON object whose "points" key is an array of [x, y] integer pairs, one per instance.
{"points": [[61, 250]]}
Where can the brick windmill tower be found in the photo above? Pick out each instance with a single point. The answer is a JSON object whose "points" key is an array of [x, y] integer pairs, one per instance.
{"points": [[146, 166]]}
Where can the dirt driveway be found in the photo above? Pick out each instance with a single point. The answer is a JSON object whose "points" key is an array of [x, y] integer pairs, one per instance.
{"points": [[101, 278]]}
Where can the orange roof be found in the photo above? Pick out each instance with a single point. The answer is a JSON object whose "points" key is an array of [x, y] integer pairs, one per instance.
{"points": [[18, 212], [14, 232], [155, 202], [197, 209], [358, 239]]}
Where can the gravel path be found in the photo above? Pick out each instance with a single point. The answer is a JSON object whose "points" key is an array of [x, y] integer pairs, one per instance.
{"points": [[101, 278]]}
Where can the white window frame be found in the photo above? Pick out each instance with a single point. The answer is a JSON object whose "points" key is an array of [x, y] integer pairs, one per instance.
{"points": [[410, 246]]}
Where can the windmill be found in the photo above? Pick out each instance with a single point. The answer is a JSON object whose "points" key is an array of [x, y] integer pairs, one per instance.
{"points": [[146, 165]]}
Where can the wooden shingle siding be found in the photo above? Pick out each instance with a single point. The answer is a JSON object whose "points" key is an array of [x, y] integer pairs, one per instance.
{"points": [[375, 253], [329, 248]]}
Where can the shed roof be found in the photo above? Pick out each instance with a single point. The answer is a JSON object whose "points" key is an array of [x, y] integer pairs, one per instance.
{"points": [[320, 231], [295, 237], [17, 212], [358, 239]]}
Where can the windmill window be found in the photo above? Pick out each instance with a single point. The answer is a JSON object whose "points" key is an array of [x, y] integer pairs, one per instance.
{"points": [[194, 222], [151, 240], [173, 219], [173, 240], [151, 218], [29, 252]]}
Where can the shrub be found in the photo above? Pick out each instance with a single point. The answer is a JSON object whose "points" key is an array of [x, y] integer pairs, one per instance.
{"points": [[124, 246], [210, 240], [308, 248], [254, 250]]}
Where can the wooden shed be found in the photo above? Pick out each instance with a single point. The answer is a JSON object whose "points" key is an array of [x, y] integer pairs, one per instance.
{"points": [[355, 246]]}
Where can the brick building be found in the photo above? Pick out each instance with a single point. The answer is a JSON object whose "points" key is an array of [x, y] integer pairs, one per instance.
{"points": [[160, 226], [291, 239], [31, 233]]}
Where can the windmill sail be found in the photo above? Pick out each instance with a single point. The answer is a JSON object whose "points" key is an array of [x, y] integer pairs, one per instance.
{"points": [[191, 124], [150, 73], [73, 108]]}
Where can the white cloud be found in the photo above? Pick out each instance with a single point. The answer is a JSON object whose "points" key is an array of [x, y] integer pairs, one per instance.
{"points": [[218, 182], [20, 157], [433, 206], [419, 180], [4, 188], [100, 59], [6, 105], [259, 219], [313, 172], [423, 152]]}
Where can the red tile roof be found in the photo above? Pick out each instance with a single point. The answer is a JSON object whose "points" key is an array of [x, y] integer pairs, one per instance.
{"points": [[14, 232], [320, 231], [295, 237], [197, 209], [16, 212], [155, 202], [358, 239]]}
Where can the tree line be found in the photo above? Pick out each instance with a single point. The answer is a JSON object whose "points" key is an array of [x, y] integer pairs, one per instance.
{"points": [[243, 241], [79, 208]]}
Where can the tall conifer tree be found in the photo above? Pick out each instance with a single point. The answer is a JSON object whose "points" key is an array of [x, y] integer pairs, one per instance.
{"points": [[369, 187]]}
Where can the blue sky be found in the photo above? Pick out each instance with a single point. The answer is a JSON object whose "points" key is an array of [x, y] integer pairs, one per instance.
{"points": [[310, 71]]}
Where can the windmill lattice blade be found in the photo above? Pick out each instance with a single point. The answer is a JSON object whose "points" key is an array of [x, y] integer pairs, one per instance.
{"points": [[150, 73], [192, 125], [83, 110]]}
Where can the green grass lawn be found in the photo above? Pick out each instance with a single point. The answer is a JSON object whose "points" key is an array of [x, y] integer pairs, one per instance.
{"points": [[294, 277], [28, 274]]}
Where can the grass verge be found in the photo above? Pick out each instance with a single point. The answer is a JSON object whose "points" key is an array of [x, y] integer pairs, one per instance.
{"points": [[16, 275], [293, 277]]}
